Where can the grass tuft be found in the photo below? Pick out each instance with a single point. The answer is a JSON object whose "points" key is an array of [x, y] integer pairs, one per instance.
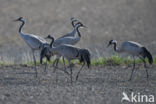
{"points": [[101, 61]]}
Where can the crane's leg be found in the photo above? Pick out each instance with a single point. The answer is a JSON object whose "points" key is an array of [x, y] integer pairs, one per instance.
{"points": [[55, 61], [79, 72], [71, 72], [65, 67], [132, 69], [145, 66], [64, 64], [55, 64], [45, 67], [34, 62]]}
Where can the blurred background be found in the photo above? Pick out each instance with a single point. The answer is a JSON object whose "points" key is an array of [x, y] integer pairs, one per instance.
{"points": [[106, 19]]}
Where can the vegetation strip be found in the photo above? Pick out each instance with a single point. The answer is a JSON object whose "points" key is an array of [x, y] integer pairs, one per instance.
{"points": [[101, 61]]}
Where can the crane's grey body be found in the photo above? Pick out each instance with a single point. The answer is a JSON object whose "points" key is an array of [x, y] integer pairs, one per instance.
{"points": [[33, 41], [134, 49], [67, 40], [130, 47], [68, 51]]}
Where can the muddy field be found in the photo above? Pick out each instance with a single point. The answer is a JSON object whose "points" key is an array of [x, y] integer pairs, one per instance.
{"points": [[98, 85]]}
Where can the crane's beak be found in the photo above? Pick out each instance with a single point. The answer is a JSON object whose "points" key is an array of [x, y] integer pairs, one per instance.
{"points": [[16, 20], [108, 45], [85, 26], [46, 38]]}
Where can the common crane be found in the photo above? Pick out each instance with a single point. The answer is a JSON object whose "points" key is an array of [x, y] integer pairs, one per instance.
{"points": [[33, 41], [134, 49], [70, 52]]}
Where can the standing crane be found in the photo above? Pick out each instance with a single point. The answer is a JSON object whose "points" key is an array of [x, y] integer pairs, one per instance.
{"points": [[134, 49], [70, 52], [33, 41]]}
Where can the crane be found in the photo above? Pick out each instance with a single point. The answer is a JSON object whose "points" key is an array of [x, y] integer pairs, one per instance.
{"points": [[70, 53], [134, 49], [33, 41]]}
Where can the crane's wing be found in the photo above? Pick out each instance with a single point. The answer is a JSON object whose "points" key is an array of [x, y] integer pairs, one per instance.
{"points": [[72, 34], [34, 41], [66, 40]]}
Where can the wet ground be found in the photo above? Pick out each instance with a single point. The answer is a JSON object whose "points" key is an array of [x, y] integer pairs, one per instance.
{"points": [[97, 85]]}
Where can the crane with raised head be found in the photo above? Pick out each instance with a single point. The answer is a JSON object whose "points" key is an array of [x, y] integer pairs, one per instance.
{"points": [[33, 41]]}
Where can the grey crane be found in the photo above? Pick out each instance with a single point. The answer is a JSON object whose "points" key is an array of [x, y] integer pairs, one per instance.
{"points": [[68, 39], [70, 52], [134, 49], [33, 41]]}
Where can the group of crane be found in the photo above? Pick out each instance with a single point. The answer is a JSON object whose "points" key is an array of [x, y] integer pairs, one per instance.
{"points": [[64, 47]]}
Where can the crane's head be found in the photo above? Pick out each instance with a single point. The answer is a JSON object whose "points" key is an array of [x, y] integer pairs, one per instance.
{"points": [[81, 25], [52, 39], [112, 42], [19, 19], [49, 37], [73, 21]]}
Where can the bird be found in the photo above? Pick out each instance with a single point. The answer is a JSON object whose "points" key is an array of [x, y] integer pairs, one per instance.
{"points": [[135, 50], [70, 39], [33, 41], [70, 53]]}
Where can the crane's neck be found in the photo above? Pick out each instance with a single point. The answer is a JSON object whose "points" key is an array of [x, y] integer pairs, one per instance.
{"points": [[20, 29], [52, 41], [115, 48], [73, 23], [78, 32]]}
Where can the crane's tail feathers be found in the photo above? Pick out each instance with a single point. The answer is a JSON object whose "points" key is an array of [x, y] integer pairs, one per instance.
{"points": [[85, 56], [148, 55]]}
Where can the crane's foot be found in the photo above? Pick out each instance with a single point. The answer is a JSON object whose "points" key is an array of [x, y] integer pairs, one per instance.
{"points": [[130, 79], [77, 77]]}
